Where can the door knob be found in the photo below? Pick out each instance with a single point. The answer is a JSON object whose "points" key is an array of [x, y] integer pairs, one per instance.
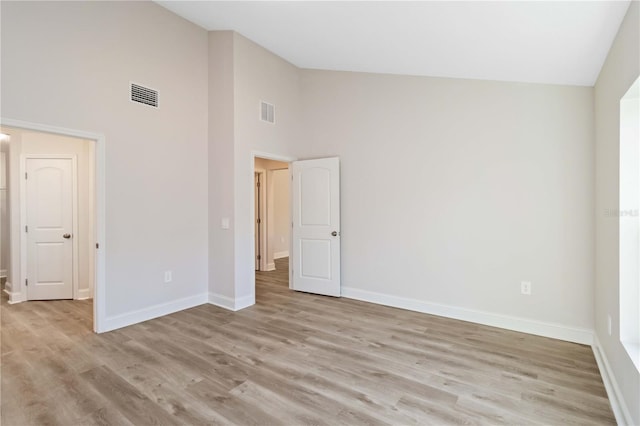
{"points": [[334, 233], [67, 236]]}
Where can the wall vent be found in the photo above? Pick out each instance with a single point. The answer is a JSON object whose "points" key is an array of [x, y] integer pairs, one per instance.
{"points": [[267, 112], [144, 95]]}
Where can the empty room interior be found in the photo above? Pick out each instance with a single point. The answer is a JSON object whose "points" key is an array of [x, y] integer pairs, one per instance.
{"points": [[320, 212]]}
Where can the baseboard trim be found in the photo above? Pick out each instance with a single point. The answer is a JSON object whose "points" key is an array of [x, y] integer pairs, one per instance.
{"points": [[84, 294], [222, 301], [280, 254], [3, 273], [271, 267], [539, 328], [130, 318], [245, 302], [14, 297], [618, 406], [230, 303]]}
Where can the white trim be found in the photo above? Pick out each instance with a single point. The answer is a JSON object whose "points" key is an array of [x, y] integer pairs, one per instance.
{"points": [[14, 297], [222, 301], [245, 302], [524, 325], [3, 273], [151, 312], [84, 293], [281, 254], [269, 156], [99, 303], [3, 171], [618, 406], [270, 267], [264, 219], [230, 303]]}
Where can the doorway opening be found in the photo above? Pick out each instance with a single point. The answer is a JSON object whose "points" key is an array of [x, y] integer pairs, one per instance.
{"points": [[272, 226], [629, 223], [50, 224]]}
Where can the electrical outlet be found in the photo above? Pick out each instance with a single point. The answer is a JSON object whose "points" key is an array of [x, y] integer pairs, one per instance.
{"points": [[609, 324], [525, 287], [168, 277]]}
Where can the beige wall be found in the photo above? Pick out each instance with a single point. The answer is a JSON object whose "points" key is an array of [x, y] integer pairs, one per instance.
{"points": [[236, 135], [69, 64], [620, 70], [454, 191], [221, 188], [259, 75], [241, 75]]}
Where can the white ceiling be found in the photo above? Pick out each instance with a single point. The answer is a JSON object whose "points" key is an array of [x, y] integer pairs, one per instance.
{"points": [[552, 42]]}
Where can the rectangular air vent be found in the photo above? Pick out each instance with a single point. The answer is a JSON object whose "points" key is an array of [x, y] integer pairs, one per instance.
{"points": [[267, 112], [144, 95]]}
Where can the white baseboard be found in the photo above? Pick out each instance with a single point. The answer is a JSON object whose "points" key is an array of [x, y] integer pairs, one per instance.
{"points": [[3, 273], [230, 303], [245, 302], [618, 406], [130, 318], [539, 328], [83, 294], [281, 254], [271, 267], [222, 301], [14, 297]]}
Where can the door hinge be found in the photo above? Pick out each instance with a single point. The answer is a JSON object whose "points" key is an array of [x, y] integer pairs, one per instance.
{"points": [[26, 228], [259, 257], [25, 175], [26, 282], [97, 246], [258, 184], [259, 221]]}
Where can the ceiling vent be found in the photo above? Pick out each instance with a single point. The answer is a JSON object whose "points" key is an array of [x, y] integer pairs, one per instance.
{"points": [[267, 112], [144, 95]]}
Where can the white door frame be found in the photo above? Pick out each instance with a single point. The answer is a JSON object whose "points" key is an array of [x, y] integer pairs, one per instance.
{"points": [[99, 302], [262, 193], [275, 157], [74, 215]]}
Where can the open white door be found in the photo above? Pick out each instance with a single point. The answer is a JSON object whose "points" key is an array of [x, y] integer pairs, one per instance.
{"points": [[316, 226]]}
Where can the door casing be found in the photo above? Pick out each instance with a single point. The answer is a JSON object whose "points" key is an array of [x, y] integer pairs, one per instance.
{"points": [[261, 233]]}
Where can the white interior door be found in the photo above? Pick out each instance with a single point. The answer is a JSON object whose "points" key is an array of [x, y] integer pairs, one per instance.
{"points": [[316, 226], [49, 208]]}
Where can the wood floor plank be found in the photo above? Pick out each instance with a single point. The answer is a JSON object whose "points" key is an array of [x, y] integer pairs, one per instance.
{"points": [[293, 358], [132, 403]]}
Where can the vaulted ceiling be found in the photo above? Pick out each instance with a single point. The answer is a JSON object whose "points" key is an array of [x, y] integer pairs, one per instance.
{"points": [[552, 42]]}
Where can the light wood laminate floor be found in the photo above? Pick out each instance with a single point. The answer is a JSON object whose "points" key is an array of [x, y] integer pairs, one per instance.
{"points": [[291, 359]]}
